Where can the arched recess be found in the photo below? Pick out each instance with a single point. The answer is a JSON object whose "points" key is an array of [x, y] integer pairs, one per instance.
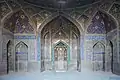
{"points": [[10, 62], [61, 56], [21, 57], [101, 25], [99, 57], [59, 29]]}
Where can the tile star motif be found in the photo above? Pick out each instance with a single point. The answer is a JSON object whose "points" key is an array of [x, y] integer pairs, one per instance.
{"points": [[20, 23]]}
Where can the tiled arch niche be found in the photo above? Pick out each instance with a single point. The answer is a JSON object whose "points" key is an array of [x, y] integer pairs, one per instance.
{"points": [[60, 29]]}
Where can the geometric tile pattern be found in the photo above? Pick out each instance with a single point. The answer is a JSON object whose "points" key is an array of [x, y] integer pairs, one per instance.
{"points": [[101, 24], [19, 23], [97, 25]]}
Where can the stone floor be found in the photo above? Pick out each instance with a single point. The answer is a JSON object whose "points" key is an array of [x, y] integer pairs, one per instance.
{"points": [[70, 75]]}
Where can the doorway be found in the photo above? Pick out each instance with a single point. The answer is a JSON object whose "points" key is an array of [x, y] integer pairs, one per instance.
{"points": [[99, 57], [10, 66], [8, 55], [61, 57], [21, 57]]}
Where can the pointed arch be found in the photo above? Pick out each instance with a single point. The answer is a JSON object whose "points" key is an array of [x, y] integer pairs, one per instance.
{"points": [[21, 42], [57, 24], [61, 42], [21, 57], [98, 43], [99, 57], [55, 15], [61, 54]]}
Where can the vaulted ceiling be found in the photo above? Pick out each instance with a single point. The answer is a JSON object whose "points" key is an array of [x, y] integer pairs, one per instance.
{"points": [[30, 13], [61, 4]]}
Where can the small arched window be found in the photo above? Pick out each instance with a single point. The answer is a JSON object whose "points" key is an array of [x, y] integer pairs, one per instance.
{"points": [[21, 51]]}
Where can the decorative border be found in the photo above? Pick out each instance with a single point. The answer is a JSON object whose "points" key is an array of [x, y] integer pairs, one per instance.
{"points": [[95, 37], [25, 37]]}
